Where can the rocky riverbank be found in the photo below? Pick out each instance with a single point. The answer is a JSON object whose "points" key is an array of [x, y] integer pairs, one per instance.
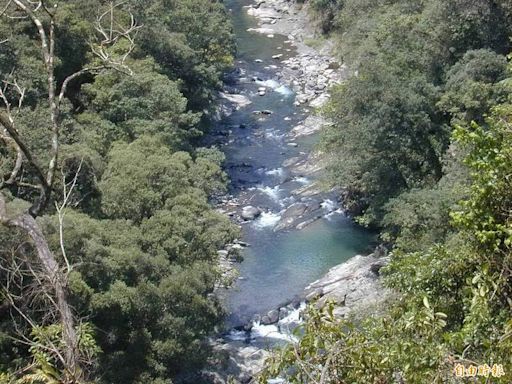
{"points": [[313, 70], [309, 73], [353, 286]]}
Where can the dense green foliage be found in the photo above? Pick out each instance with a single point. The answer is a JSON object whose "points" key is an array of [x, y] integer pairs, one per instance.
{"points": [[141, 235], [421, 145], [421, 66]]}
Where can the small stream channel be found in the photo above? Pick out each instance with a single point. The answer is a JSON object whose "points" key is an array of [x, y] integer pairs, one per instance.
{"points": [[278, 265]]}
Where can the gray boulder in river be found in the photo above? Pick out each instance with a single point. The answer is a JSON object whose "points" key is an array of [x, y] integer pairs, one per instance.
{"points": [[353, 285], [250, 212], [296, 213]]}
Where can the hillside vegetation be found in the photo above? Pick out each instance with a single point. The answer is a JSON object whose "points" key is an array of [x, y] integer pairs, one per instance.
{"points": [[421, 147], [140, 238]]}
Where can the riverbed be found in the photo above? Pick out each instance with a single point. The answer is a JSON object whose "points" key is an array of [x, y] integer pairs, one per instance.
{"points": [[260, 158]]}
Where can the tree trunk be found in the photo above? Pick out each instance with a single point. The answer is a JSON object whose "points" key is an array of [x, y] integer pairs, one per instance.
{"points": [[58, 282]]}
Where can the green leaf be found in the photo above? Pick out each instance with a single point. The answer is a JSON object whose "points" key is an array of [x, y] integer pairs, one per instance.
{"points": [[425, 302]]}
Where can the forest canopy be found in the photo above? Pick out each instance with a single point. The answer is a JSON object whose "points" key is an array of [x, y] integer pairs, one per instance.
{"points": [[137, 232]]}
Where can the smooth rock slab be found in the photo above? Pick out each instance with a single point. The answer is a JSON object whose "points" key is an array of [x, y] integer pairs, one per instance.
{"points": [[294, 214], [352, 285], [310, 126], [240, 100]]}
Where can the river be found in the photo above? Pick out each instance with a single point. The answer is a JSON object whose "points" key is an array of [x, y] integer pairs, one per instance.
{"points": [[278, 265]]}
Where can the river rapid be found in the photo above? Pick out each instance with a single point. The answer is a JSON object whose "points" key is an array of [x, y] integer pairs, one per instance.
{"points": [[261, 161]]}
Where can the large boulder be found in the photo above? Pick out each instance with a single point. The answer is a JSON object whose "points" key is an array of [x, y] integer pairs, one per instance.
{"points": [[250, 213], [297, 213], [353, 285], [283, 312], [290, 215], [295, 210], [273, 316]]}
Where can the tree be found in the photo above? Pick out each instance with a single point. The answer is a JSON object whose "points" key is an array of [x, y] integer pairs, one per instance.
{"points": [[142, 270], [473, 86], [146, 103], [386, 138], [50, 276], [192, 40], [136, 185]]}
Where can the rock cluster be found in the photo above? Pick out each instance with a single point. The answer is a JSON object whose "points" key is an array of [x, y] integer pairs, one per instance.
{"points": [[310, 73], [353, 285], [234, 363], [229, 257], [299, 215], [311, 76], [239, 213], [274, 316]]}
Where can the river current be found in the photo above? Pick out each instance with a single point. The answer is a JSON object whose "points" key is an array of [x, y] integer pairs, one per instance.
{"points": [[278, 265]]}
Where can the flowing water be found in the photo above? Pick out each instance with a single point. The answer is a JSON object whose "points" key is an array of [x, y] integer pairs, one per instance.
{"points": [[278, 265]]}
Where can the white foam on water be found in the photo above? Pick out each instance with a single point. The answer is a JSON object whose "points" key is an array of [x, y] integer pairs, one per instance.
{"points": [[279, 172], [302, 180], [276, 86], [329, 205], [287, 201], [266, 219], [269, 83], [284, 90], [271, 134], [272, 192], [330, 215], [283, 329], [294, 316], [271, 332], [235, 335]]}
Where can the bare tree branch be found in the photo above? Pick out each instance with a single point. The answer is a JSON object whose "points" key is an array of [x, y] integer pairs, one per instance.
{"points": [[75, 75], [6, 123], [54, 276], [11, 178], [111, 35], [3, 11], [61, 211]]}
